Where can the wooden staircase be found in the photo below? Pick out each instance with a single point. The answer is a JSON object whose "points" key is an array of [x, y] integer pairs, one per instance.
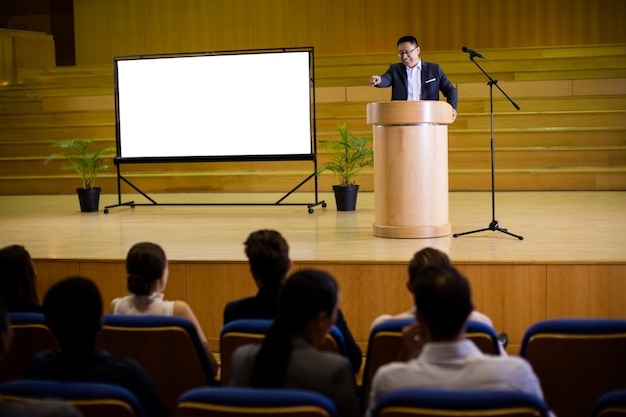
{"points": [[569, 134]]}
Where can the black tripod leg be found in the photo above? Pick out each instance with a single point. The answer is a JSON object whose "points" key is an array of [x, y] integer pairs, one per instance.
{"points": [[509, 233], [473, 231]]}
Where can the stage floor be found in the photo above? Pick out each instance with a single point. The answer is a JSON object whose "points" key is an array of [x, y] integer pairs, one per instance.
{"points": [[557, 227]]}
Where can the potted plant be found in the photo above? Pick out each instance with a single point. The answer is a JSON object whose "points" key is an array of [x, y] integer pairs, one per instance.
{"points": [[348, 156], [87, 162]]}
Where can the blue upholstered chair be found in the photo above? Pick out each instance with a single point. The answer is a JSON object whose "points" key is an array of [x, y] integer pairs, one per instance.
{"points": [[245, 331], [417, 402], [92, 399], [168, 348], [250, 402], [30, 336], [611, 404], [385, 341], [576, 361]]}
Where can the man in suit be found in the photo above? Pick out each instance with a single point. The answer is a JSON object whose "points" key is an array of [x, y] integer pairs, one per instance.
{"points": [[414, 79], [268, 256]]}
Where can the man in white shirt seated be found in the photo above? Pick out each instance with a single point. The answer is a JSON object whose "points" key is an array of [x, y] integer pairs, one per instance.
{"points": [[448, 360], [429, 256]]}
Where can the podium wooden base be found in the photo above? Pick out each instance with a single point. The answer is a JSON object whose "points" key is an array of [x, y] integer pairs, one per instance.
{"points": [[415, 232], [411, 168]]}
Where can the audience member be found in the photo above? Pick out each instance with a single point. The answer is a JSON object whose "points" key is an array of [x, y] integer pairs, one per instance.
{"points": [[73, 312], [18, 280], [448, 360], [428, 257], [307, 309], [147, 269], [268, 256], [43, 408]]}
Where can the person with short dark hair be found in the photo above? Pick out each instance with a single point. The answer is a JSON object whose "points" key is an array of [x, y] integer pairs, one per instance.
{"points": [[448, 360], [288, 357], [39, 408], [147, 273], [18, 280], [414, 79], [428, 256], [73, 312], [268, 257]]}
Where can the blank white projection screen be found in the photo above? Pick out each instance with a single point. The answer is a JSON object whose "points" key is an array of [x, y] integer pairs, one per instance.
{"points": [[214, 105]]}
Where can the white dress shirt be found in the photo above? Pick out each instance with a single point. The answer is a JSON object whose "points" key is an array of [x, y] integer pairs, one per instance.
{"points": [[455, 365], [414, 82]]}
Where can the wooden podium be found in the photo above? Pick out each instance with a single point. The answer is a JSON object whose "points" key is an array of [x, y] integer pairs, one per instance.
{"points": [[410, 168]]}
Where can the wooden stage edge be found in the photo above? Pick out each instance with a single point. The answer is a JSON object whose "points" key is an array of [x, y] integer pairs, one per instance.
{"points": [[571, 262]]}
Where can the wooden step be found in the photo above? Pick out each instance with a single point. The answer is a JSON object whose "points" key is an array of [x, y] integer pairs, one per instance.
{"points": [[604, 179]]}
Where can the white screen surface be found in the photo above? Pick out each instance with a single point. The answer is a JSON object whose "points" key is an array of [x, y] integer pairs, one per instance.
{"points": [[231, 105]]}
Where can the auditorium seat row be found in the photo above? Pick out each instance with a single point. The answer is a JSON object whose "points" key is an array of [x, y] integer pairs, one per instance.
{"points": [[98, 400], [576, 360]]}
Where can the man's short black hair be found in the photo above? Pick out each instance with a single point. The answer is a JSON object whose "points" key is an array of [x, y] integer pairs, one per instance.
{"points": [[408, 38], [444, 300], [268, 255]]}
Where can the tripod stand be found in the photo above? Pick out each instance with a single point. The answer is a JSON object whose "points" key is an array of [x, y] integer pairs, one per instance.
{"points": [[494, 225]]}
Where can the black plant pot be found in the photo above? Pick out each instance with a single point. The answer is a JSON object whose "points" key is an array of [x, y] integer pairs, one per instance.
{"points": [[345, 197], [89, 199]]}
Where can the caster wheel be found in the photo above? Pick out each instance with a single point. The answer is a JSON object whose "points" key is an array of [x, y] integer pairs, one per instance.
{"points": [[324, 205], [311, 210]]}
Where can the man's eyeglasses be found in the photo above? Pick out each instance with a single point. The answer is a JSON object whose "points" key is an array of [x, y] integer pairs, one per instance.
{"points": [[401, 53]]}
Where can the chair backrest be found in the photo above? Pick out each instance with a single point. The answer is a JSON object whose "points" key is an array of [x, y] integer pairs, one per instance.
{"points": [[251, 402], [484, 336], [611, 404], [576, 361], [418, 402], [30, 336], [92, 399], [386, 337], [238, 333], [245, 331], [168, 348]]}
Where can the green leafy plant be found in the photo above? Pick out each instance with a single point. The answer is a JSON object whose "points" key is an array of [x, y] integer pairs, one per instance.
{"points": [[349, 155], [81, 158]]}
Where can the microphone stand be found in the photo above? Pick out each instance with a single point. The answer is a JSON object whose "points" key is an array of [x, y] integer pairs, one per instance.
{"points": [[494, 225]]}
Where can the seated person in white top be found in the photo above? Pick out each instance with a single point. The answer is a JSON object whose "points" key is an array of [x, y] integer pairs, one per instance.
{"points": [[448, 360], [428, 257], [146, 266]]}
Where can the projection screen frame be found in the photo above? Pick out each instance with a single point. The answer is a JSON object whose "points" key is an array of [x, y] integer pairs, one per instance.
{"points": [[150, 159]]}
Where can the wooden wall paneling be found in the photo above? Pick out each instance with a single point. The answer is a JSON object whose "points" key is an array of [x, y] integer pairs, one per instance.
{"points": [[115, 27], [109, 276], [513, 296], [210, 286], [346, 23], [307, 24], [198, 25], [586, 291], [163, 26], [50, 272], [92, 31], [128, 28]]}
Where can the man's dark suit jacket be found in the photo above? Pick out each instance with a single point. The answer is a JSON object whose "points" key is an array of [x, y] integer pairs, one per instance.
{"points": [[264, 306], [98, 366], [433, 81]]}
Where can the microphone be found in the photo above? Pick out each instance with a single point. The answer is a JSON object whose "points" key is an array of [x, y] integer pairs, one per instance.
{"points": [[472, 52]]}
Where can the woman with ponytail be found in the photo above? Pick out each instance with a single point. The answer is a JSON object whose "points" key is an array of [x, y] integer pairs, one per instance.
{"points": [[288, 356], [147, 273]]}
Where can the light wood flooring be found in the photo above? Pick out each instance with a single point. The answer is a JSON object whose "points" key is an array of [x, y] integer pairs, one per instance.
{"points": [[558, 227]]}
